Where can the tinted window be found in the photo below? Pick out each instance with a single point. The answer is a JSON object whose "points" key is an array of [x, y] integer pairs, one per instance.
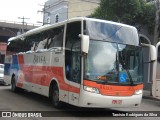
{"points": [[50, 38], [19, 45], [43, 40], [72, 52], [112, 32], [56, 39]]}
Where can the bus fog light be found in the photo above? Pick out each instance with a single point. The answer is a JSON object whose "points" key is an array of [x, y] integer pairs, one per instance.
{"points": [[91, 89], [138, 92]]}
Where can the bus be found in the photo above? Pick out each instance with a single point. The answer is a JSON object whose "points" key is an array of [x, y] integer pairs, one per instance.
{"points": [[155, 72], [84, 62]]}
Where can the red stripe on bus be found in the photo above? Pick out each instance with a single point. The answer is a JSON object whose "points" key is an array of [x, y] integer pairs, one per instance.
{"points": [[113, 90]]}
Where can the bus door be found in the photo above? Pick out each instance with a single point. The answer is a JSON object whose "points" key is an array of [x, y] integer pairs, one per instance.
{"points": [[157, 84], [73, 61]]}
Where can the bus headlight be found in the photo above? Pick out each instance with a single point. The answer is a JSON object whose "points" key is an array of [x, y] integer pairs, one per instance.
{"points": [[138, 92], [91, 89]]}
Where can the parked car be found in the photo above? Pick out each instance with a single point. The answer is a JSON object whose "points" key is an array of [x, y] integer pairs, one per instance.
{"points": [[1, 73]]}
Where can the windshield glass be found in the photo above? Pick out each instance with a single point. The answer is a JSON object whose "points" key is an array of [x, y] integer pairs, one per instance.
{"points": [[113, 63], [130, 64], [112, 32]]}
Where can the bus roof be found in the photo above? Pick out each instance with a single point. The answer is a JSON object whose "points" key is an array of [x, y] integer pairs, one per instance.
{"points": [[47, 27]]}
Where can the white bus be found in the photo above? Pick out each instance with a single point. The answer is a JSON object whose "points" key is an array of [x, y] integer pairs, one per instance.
{"points": [[155, 72], [82, 61]]}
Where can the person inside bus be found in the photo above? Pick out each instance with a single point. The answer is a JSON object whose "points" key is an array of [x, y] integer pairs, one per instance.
{"points": [[42, 44]]}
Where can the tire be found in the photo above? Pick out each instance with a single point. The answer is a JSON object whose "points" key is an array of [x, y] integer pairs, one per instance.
{"points": [[13, 85], [55, 97]]}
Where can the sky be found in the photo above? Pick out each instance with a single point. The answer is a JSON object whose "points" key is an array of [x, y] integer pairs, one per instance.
{"points": [[10, 10]]}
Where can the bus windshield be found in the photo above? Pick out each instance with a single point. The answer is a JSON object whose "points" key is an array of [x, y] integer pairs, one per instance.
{"points": [[113, 63], [112, 32], [114, 55]]}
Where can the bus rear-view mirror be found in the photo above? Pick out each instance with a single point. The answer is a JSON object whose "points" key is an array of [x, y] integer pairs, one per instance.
{"points": [[85, 43], [153, 53]]}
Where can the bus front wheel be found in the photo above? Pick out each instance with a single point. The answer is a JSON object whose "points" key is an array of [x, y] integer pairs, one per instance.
{"points": [[55, 97]]}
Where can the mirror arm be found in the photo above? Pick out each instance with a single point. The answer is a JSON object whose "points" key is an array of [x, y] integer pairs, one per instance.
{"points": [[149, 61]]}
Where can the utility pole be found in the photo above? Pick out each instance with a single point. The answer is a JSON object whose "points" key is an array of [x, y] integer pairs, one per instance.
{"points": [[23, 18], [44, 12]]}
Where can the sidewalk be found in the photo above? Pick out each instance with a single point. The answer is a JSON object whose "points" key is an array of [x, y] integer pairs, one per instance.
{"points": [[147, 95]]}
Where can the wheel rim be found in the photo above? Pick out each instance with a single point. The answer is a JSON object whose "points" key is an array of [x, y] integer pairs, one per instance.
{"points": [[56, 97]]}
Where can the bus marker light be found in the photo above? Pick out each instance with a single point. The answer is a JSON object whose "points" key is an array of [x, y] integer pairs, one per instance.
{"points": [[138, 92]]}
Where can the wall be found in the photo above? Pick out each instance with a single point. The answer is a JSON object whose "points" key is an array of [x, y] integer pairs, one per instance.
{"points": [[56, 7], [66, 9], [79, 8]]}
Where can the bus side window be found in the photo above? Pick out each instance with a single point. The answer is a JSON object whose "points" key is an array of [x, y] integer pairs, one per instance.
{"points": [[57, 37], [18, 46], [158, 56], [33, 42]]}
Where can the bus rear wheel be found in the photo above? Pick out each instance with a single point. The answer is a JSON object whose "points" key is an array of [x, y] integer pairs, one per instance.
{"points": [[55, 97]]}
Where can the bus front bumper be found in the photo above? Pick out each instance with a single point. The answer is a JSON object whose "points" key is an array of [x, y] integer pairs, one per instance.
{"points": [[88, 99]]}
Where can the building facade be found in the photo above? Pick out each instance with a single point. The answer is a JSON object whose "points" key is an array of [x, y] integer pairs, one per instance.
{"points": [[60, 10]]}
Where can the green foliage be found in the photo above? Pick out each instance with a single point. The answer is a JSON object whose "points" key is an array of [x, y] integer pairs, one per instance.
{"points": [[127, 11]]}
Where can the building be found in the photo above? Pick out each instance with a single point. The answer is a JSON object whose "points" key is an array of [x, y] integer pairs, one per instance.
{"points": [[60, 10], [10, 29]]}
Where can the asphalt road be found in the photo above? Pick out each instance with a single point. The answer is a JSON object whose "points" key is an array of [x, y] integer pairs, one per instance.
{"points": [[24, 101]]}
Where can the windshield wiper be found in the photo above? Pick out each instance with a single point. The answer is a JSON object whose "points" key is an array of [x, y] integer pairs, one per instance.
{"points": [[102, 81], [130, 77]]}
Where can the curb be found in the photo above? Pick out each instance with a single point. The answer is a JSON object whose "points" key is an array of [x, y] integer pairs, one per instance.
{"points": [[151, 98]]}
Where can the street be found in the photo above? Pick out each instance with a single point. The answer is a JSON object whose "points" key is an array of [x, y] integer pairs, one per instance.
{"points": [[25, 101]]}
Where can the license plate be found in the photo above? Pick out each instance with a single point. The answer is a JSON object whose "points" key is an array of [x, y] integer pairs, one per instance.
{"points": [[116, 101]]}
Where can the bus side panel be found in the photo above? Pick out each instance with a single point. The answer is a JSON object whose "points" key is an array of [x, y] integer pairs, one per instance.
{"points": [[35, 71], [43, 67], [157, 85], [158, 71]]}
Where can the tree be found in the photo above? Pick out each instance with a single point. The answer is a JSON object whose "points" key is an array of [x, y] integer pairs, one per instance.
{"points": [[133, 12], [157, 22], [119, 10]]}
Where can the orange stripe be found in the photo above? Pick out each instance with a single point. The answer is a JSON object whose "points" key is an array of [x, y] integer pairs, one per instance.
{"points": [[112, 90], [20, 59], [42, 75]]}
